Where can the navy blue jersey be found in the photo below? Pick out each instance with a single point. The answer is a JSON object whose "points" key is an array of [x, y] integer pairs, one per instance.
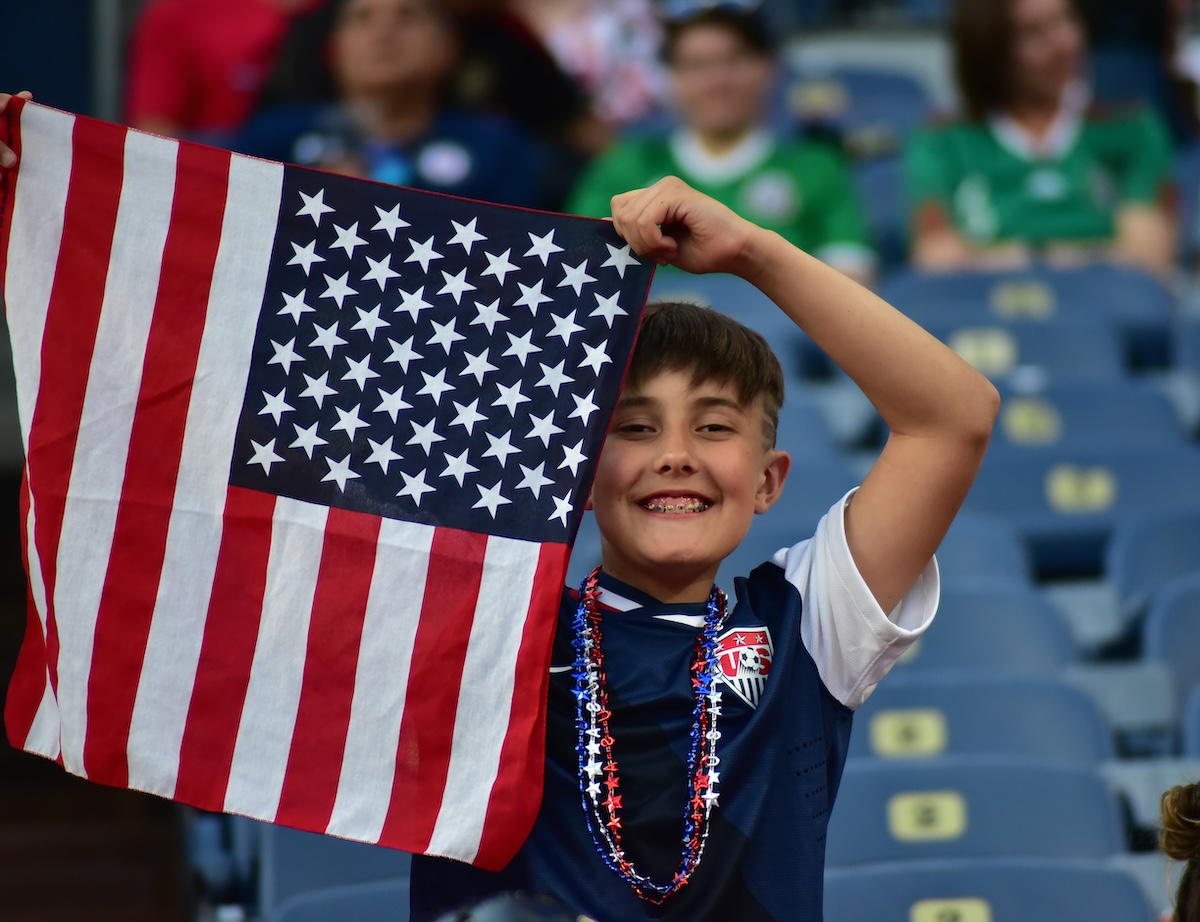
{"points": [[804, 644]]}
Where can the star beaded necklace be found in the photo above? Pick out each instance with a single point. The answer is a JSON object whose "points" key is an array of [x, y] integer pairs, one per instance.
{"points": [[602, 799]]}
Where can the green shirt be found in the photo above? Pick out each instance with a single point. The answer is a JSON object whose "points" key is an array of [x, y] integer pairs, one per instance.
{"points": [[990, 191], [803, 191]]}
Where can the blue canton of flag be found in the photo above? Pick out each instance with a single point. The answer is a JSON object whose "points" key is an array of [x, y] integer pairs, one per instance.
{"points": [[438, 360]]}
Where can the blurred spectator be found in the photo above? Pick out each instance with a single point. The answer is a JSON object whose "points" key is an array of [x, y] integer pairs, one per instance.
{"points": [[1180, 840], [390, 61], [610, 48], [1032, 169], [722, 69], [196, 66]]}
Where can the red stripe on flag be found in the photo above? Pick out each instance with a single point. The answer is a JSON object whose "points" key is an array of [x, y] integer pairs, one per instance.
{"points": [[227, 651], [10, 135], [431, 701], [331, 661], [28, 684], [511, 815], [155, 445], [69, 338]]}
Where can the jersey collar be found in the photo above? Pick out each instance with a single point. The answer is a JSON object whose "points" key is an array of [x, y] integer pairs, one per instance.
{"points": [[1064, 130], [615, 595], [749, 153]]}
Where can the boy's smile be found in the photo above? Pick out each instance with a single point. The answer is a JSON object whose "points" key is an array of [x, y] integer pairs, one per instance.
{"points": [[684, 469]]}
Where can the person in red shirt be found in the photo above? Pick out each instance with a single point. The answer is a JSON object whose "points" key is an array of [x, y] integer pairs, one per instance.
{"points": [[196, 66]]}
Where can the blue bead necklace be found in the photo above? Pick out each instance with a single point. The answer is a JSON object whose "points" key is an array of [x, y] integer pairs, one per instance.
{"points": [[602, 798]]}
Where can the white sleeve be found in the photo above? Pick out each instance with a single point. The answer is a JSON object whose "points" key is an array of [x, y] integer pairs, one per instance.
{"points": [[850, 638]]}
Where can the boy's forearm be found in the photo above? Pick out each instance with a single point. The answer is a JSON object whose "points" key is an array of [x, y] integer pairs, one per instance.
{"points": [[918, 385]]}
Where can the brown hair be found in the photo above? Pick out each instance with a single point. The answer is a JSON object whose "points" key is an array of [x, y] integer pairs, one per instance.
{"points": [[981, 37], [1180, 839], [680, 336], [749, 27]]}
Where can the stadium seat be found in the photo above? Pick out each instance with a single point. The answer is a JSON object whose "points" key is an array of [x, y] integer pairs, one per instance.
{"points": [[995, 890], [1147, 551], [1142, 782], [803, 430], [1001, 626], [586, 552], [1137, 698], [880, 184], [928, 716], [294, 862], [1137, 304], [1187, 181], [377, 901], [971, 807], [979, 547], [1065, 502], [1157, 875], [1171, 632], [1191, 725], [1093, 412]]}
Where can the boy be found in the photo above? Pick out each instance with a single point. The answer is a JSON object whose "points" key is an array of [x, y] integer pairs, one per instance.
{"points": [[693, 753]]}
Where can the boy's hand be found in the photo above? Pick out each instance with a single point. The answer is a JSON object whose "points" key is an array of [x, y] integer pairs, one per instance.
{"points": [[7, 157], [672, 223]]}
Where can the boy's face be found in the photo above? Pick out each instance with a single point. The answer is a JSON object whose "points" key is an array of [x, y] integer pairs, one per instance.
{"points": [[683, 471], [720, 84]]}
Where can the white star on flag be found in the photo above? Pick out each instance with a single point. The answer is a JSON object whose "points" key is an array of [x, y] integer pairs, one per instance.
{"points": [[425, 436], [382, 454], [389, 221], [576, 277], [369, 322], [339, 471], [337, 289], [488, 315], [467, 415], [360, 371], [543, 247], [381, 271], [402, 353], [573, 457], [317, 388], [348, 239], [465, 235], [531, 296], [500, 447], [490, 498], [276, 405], [305, 256], [349, 421], [435, 385], [415, 486], [285, 354], [457, 466], [327, 338], [564, 327], [596, 357], [307, 439], [392, 402], [534, 479], [314, 206], [607, 308], [414, 302], [456, 285], [294, 306], [265, 455], [422, 253], [445, 335], [619, 258], [499, 266], [510, 397]]}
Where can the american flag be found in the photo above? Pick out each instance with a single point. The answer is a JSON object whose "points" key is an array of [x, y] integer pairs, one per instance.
{"points": [[305, 456]]}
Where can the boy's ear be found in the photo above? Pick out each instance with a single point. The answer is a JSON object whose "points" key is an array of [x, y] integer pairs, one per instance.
{"points": [[774, 476]]}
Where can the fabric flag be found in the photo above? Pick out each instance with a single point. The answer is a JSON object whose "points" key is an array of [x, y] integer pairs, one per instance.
{"points": [[305, 457]]}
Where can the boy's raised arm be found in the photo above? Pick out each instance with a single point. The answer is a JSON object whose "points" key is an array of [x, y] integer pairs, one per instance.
{"points": [[939, 409]]}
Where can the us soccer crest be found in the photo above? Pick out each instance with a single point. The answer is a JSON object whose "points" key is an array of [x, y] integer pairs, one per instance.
{"points": [[744, 661]]}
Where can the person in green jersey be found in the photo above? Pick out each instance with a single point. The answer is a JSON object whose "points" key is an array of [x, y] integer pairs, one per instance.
{"points": [[722, 69], [1031, 170]]}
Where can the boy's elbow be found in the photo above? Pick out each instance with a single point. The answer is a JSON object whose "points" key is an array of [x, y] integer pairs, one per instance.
{"points": [[981, 409]]}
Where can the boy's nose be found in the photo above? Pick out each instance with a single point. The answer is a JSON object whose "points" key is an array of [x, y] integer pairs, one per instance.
{"points": [[676, 459]]}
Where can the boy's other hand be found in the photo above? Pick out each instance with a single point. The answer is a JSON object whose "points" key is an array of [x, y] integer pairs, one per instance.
{"points": [[7, 157], [673, 224]]}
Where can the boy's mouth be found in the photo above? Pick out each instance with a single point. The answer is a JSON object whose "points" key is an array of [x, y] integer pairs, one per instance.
{"points": [[675, 505]]}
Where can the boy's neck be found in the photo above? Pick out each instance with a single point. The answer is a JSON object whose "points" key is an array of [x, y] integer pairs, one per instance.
{"points": [[667, 587]]}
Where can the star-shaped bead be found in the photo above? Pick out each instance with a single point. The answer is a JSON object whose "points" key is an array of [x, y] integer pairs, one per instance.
{"points": [[347, 239], [500, 447], [414, 302], [337, 289], [276, 405], [294, 306], [499, 266], [553, 377], [531, 296], [592, 769], [510, 397], [543, 428], [575, 277], [478, 365], [327, 338], [265, 455], [596, 356], [573, 457], [584, 407], [619, 258], [348, 421], [317, 388], [521, 346], [360, 372], [490, 498], [392, 403], [533, 481], [382, 454], [467, 415], [564, 327], [608, 308], [314, 206], [458, 467], [369, 322], [425, 435], [445, 335], [455, 285], [285, 354], [381, 271], [389, 221], [465, 235], [543, 247], [488, 315], [403, 353], [339, 472], [422, 253], [305, 256], [562, 509], [435, 385], [307, 439], [415, 486]]}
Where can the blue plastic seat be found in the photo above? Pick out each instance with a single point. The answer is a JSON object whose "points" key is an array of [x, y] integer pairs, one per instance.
{"points": [[1171, 632], [1065, 500], [880, 184], [979, 547], [996, 890], [377, 901], [1185, 343], [1191, 725], [1000, 626], [971, 807], [928, 716], [1148, 551]]}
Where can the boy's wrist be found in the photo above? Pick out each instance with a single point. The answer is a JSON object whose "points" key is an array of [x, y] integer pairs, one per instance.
{"points": [[760, 253]]}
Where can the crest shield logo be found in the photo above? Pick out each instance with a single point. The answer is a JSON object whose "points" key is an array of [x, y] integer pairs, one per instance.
{"points": [[744, 661]]}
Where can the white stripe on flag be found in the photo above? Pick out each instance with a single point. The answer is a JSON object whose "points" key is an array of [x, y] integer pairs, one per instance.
{"points": [[485, 698], [381, 680], [43, 736], [268, 721], [194, 534], [102, 445]]}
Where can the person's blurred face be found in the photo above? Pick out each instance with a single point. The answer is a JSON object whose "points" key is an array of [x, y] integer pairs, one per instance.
{"points": [[1047, 49], [381, 45], [720, 84]]}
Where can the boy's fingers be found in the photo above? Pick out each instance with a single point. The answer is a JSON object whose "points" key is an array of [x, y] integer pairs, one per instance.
{"points": [[7, 157]]}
